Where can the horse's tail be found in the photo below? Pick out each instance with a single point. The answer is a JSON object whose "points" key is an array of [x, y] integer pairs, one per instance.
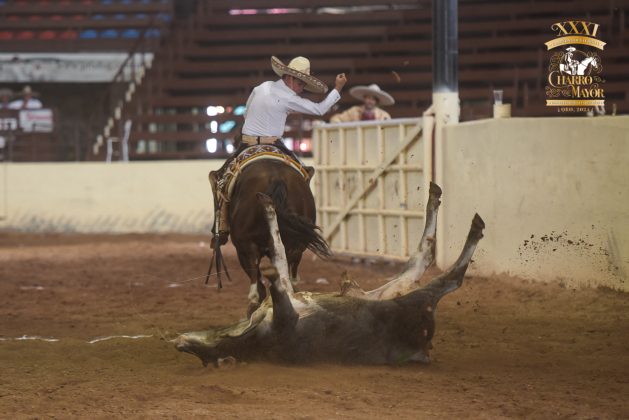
{"points": [[296, 227]]}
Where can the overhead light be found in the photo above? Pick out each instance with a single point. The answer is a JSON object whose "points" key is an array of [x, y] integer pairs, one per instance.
{"points": [[305, 145], [213, 126], [227, 126], [211, 111], [211, 145], [243, 11]]}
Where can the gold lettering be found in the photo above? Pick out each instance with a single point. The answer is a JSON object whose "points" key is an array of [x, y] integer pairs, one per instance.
{"points": [[586, 28], [550, 79], [578, 92], [562, 80], [572, 27], [559, 28], [596, 25]]}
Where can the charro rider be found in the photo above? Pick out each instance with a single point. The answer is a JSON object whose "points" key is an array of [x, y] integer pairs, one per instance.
{"points": [[371, 96], [265, 118], [570, 64]]}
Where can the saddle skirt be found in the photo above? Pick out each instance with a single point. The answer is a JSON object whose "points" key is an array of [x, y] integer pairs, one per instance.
{"points": [[251, 154]]}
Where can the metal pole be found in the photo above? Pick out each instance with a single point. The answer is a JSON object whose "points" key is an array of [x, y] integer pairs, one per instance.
{"points": [[445, 46], [445, 99], [445, 61]]}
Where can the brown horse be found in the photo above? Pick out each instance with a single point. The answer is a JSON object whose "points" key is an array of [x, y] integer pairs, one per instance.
{"points": [[296, 214]]}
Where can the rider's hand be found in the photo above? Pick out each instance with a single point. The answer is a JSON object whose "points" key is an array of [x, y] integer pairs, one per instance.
{"points": [[340, 82]]}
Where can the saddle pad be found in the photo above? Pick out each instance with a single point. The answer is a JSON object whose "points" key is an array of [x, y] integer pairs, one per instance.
{"points": [[250, 155]]}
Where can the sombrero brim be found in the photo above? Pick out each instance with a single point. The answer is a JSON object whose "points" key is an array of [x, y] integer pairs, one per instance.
{"points": [[32, 93], [359, 93], [312, 83]]}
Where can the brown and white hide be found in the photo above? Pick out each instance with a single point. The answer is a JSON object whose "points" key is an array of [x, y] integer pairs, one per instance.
{"points": [[392, 324]]}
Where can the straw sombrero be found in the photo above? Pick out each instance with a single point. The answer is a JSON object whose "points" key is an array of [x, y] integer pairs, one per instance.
{"points": [[299, 67], [28, 91], [384, 98]]}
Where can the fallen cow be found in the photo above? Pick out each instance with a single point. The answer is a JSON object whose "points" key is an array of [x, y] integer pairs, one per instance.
{"points": [[392, 324]]}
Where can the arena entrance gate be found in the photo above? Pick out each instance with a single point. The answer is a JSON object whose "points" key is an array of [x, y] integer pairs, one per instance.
{"points": [[371, 186]]}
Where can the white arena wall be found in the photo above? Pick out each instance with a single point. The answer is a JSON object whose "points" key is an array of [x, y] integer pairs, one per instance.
{"points": [[113, 198], [95, 197], [554, 194]]}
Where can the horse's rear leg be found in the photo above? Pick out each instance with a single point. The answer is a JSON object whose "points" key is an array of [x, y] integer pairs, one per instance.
{"points": [[293, 265], [257, 291], [261, 289]]}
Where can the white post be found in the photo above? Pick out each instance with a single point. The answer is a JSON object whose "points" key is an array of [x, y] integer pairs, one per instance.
{"points": [[447, 111]]}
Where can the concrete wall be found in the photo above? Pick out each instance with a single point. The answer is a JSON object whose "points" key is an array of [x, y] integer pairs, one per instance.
{"points": [[554, 194], [165, 196], [99, 197]]}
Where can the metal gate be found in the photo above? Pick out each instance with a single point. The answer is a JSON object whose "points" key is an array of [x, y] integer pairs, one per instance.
{"points": [[370, 187]]}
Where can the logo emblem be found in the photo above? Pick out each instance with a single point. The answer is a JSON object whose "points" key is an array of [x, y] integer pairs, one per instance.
{"points": [[574, 82]]}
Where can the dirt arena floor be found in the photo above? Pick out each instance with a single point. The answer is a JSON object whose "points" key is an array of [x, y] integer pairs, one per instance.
{"points": [[504, 347]]}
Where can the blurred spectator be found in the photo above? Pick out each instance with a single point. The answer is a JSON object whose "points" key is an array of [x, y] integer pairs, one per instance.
{"points": [[371, 96], [5, 98], [3, 146], [27, 101]]}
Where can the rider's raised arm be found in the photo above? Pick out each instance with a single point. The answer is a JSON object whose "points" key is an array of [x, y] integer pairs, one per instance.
{"points": [[306, 106]]}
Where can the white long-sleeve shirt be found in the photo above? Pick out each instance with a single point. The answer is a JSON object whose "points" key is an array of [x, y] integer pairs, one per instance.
{"points": [[32, 103], [270, 103]]}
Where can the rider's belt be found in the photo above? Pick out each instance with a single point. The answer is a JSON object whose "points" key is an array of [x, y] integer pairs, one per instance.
{"points": [[251, 140]]}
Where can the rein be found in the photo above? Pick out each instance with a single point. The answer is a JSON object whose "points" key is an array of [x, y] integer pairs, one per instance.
{"points": [[218, 256]]}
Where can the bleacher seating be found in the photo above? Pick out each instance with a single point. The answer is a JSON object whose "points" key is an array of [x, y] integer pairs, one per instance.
{"points": [[224, 52], [83, 26], [217, 54], [92, 25]]}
